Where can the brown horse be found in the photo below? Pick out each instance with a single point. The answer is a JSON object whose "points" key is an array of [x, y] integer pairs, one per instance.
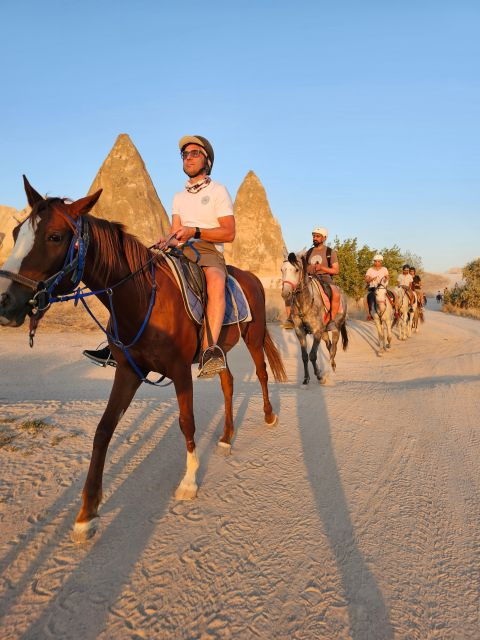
{"points": [[168, 343]]}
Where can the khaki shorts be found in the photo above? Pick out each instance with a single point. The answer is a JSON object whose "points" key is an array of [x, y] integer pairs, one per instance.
{"points": [[208, 255]]}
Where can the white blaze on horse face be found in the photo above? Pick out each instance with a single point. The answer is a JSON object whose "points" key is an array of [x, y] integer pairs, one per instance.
{"points": [[290, 277], [21, 249]]}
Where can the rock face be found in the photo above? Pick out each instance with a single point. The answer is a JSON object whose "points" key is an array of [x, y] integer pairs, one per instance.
{"points": [[128, 193], [9, 217], [258, 245]]}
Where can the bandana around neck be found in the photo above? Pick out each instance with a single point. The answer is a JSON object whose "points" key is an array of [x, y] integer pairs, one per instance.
{"points": [[198, 186]]}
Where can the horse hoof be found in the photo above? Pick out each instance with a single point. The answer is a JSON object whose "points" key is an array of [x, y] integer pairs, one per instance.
{"points": [[322, 380], [186, 492], [274, 421], [83, 531], [380, 354], [224, 449], [304, 385]]}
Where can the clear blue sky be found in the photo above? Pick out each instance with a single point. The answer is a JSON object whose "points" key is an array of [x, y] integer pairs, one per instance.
{"points": [[362, 116]]}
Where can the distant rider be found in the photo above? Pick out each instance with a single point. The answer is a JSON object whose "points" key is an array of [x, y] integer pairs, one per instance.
{"points": [[376, 276]]}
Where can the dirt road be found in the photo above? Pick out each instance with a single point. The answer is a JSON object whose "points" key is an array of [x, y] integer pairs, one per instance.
{"points": [[357, 517]]}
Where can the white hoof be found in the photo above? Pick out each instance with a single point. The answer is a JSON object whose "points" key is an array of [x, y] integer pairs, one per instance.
{"points": [[380, 354], [323, 380], [224, 449], [274, 421], [83, 531], [186, 491]]}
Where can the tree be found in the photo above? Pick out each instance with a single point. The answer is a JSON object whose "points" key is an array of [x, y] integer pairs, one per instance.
{"points": [[350, 278], [393, 260], [413, 260]]}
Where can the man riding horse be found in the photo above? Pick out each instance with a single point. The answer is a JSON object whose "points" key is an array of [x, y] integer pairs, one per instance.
{"points": [[376, 276], [202, 215], [322, 264]]}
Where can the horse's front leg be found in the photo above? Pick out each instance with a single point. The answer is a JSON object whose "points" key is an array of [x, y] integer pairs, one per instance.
{"points": [[379, 326], [313, 357], [302, 338], [187, 489], [125, 385]]}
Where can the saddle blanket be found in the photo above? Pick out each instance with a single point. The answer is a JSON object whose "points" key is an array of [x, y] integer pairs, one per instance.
{"points": [[237, 308], [326, 300]]}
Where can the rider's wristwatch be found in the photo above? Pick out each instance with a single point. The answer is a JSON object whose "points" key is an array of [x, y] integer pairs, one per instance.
{"points": [[197, 233]]}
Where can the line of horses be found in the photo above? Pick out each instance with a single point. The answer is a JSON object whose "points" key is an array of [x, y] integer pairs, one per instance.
{"points": [[60, 244], [310, 315]]}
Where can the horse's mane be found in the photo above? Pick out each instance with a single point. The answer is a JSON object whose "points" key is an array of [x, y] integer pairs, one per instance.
{"points": [[114, 244]]}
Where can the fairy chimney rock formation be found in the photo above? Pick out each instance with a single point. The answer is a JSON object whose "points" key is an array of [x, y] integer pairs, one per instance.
{"points": [[128, 193], [9, 218], [258, 245]]}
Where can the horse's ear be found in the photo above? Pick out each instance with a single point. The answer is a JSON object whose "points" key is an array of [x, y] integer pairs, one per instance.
{"points": [[32, 196], [84, 205], [292, 258]]}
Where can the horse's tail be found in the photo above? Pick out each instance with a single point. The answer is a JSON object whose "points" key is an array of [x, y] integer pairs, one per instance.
{"points": [[344, 332], [274, 358]]}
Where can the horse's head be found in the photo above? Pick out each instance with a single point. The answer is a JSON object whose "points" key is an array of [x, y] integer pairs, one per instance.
{"points": [[41, 243], [291, 275]]}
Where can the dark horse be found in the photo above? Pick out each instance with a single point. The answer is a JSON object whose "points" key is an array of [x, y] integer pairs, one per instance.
{"points": [[168, 343]]}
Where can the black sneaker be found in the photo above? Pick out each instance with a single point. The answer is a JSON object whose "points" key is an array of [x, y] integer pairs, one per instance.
{"points": [[101, 357]]}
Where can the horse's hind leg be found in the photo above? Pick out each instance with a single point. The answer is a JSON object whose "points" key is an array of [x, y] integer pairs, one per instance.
{"points": [[125, 385], [225, 443], [333, 348], [187, 489], [258, 355]]}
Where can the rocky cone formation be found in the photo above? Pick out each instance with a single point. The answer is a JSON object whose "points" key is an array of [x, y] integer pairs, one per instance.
{"points": [[258, 245], [128, 193], [9, 217]]}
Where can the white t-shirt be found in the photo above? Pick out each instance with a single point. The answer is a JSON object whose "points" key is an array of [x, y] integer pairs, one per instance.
{"points": [[204, 208], [405, 280], [378, 276]]}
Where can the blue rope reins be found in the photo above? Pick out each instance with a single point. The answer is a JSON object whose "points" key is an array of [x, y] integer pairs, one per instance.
{"points": [[79, 244]]}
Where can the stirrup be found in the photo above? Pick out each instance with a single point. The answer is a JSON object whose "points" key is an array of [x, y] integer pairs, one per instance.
{"points": [[212, 362]]}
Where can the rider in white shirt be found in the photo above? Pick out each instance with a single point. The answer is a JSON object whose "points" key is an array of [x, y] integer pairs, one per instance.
{"points": [[405, 280], [375, 277]]}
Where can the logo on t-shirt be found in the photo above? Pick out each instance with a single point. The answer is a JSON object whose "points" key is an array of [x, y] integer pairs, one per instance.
{"points": [[205, 200]]}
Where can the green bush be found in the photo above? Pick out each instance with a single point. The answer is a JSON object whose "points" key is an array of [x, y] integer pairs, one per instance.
{"points": [[466, 296], [354, 263]]}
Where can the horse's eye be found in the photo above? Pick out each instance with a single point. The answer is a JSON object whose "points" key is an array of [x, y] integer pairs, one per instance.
{"points": [[54, 237]]}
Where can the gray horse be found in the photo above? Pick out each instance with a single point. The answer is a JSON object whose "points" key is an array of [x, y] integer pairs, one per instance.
{"points": [[308, 314]]}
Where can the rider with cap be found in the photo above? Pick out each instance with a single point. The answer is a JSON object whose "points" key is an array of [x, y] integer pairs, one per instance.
{"points": [[322, 263], [202, 216], [375, 277]]}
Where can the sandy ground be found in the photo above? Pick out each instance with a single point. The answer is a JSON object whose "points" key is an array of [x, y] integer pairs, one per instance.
{"points": [[357, 517]]}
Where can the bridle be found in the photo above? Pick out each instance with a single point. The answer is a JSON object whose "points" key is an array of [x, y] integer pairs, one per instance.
{"points": [[74, 263], [298, 289]]}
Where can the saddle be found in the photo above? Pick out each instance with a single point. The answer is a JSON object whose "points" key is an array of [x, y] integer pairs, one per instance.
{"points": [[190, 279], [326, 299]]}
